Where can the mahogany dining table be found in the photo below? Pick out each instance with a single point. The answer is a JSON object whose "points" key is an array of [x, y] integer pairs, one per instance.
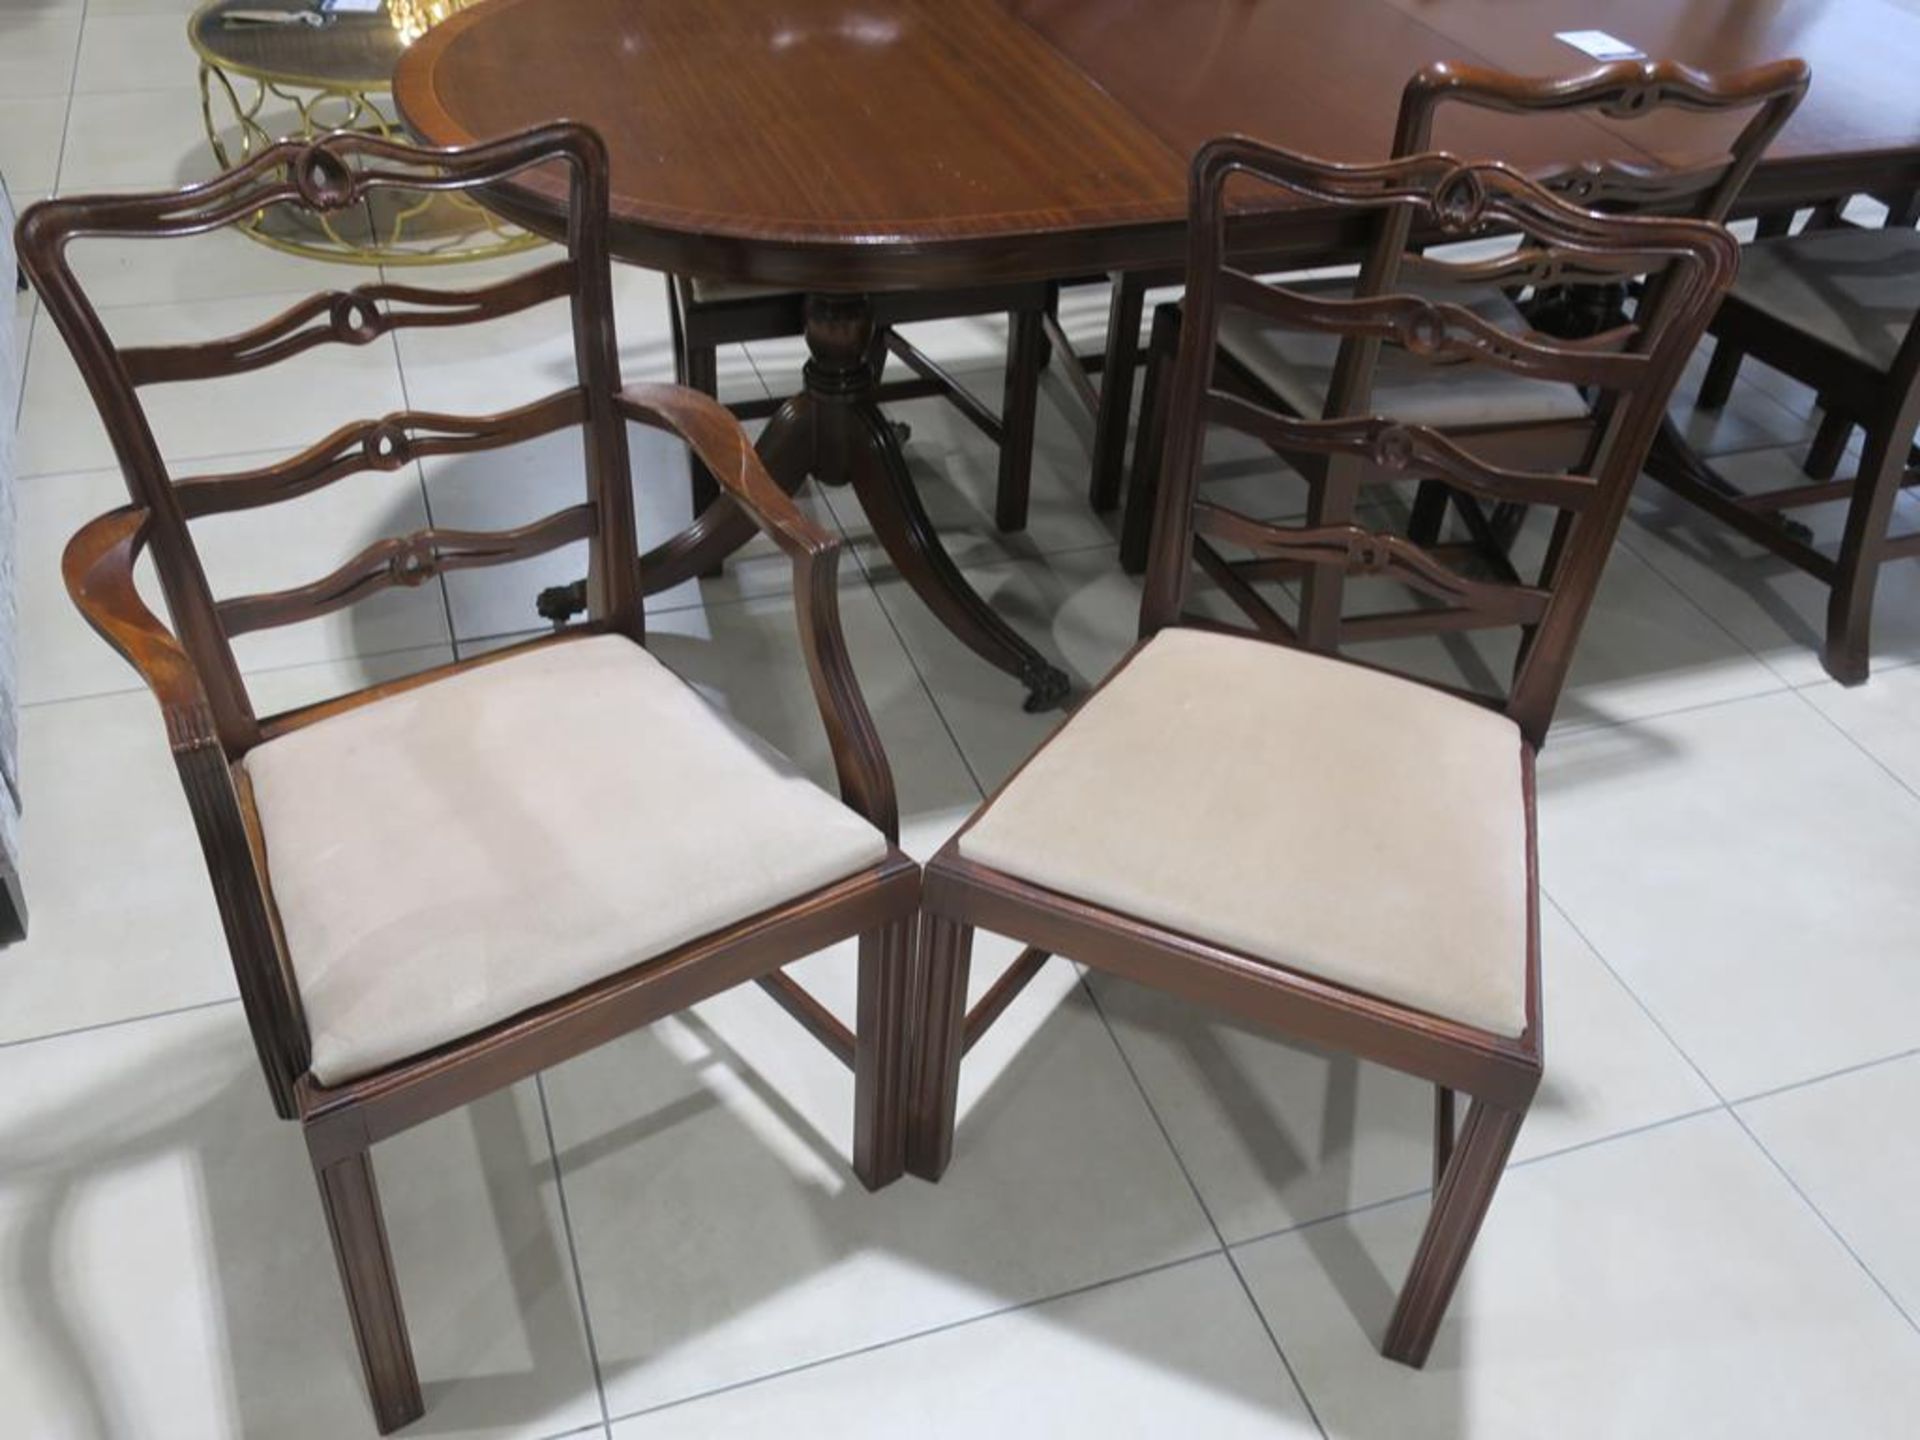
{"points": [[857, 149]]}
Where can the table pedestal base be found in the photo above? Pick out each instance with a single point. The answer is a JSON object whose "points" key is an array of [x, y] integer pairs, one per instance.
{"points": [[833, 432]]}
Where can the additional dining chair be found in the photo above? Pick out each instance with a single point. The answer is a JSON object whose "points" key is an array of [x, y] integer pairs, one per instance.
{"points": [[1306, 842], [439, 886], [1492, 415], [1839, 310]]}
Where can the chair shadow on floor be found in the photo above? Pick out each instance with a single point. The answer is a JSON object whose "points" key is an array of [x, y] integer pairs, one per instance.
{"points": [[279, 1335]]}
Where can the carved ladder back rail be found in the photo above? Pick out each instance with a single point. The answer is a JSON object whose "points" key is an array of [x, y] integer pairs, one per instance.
{"points": [[1628, 372], [1623, 90], [333, 174], [210, 720]]}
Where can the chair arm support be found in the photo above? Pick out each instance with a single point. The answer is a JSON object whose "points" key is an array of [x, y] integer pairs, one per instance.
{"points": [[98, 568], [713, 434]]}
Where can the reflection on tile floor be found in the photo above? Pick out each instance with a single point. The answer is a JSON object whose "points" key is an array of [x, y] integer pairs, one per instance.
{"points": [[1157, 1222]]}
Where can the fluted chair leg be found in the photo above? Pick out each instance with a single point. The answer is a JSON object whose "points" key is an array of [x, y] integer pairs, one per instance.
{"points": [[881, 1047], [1026, 358], [946, 953], [1116, 391], [352, 1206], [1829, 445], [1136, 526], [1847, 655], [1459, 1205]]}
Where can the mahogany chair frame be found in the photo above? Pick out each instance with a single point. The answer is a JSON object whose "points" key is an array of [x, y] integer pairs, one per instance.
{"points": [[1884, 403], [211, 725], [1635, 372], [1626, 90]]}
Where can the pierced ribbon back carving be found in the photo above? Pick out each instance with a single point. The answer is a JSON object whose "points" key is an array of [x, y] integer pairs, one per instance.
{"points": [[345, 317], [383, 444], [406, 561], [1359, 551], [1434, 330], [1413, 451]]}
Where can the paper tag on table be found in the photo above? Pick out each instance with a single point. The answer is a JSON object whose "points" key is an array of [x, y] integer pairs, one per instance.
{"points": [[351, 7], [1600, 45]]}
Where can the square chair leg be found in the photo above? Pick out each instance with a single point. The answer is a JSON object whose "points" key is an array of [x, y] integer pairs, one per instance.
{"points": [[352, 1203], [946, 953], [881, 1053], [1459, 1205]]}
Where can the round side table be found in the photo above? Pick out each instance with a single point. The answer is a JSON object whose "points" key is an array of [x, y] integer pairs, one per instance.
{"points": [[261, 83]]}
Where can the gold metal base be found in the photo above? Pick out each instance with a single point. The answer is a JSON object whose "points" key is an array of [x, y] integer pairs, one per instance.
{"points": [[421, 228]]}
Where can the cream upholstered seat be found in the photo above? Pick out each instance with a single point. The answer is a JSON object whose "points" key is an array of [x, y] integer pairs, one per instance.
{"points": [[1854, 290], [448, 856], [726, 292], [1297, 366], [1300, 810]]}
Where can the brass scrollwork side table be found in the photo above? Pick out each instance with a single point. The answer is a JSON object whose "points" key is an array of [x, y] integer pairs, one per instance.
{"points": [[265, 82]]}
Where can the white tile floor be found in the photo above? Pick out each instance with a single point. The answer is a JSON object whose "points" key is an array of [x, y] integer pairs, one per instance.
{"points": [[1157, 1223]]}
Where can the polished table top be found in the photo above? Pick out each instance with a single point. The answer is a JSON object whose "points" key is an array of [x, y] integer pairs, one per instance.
{"points": [[847, 144]]}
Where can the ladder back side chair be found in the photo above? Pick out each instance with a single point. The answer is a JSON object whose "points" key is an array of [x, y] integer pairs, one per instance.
{"points": [[1838, 309], [1495, 416], [1305, 842], [436, 887]]}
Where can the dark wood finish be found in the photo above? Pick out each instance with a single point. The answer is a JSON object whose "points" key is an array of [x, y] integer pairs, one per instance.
{"points": [[925, 143], [211, 724], [1689, 263], [930, 144], [702, 323], [359, 1234], [1884, 402], [1761, 99]]}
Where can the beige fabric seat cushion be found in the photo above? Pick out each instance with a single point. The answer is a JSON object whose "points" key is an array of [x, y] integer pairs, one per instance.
{"points": [[1297, 366], [727, 292], [1856, 290], [451, 855], [1305, 812]]}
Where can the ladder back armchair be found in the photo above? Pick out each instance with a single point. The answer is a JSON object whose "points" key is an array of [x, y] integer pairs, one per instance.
{"points": [[435, 887]]}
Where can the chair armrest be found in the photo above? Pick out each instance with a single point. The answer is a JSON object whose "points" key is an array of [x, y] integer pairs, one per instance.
{"points": [[98, 567], [714, 435]]}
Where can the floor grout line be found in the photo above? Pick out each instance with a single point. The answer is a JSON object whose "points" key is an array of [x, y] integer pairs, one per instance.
{"points": [[1843, 1071], [116, 1023], [1856, 743], [420, 483], [994, 1314], [1821, 1215], [1733, 1112], [1199, 1199], [573, 1251], [1638, 1000]]}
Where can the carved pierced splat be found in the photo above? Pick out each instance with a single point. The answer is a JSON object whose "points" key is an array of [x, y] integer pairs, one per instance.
{"points": [[407, 561], [1526, 265], [1628, 371], [1622, 90], [1433, 330], [383, 444], [345, 317], [1365, 552], [1416, 451]]}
